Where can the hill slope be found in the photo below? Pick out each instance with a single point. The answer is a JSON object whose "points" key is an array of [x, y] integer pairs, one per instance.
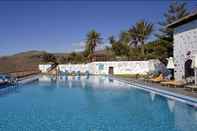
{"points": [[26, 61], [20, 62]]}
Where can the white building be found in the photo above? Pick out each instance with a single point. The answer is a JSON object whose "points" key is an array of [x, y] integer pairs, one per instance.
{"points": [[185, 45], [108, 67]]}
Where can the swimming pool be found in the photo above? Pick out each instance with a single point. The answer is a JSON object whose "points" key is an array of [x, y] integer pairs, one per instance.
{"points": [[95, 103]]}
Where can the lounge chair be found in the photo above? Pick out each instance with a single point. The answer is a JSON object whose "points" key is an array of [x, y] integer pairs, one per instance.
{"points": [[166, 83], [174, 83], [157, 79], [192, 87], [148, 78]]}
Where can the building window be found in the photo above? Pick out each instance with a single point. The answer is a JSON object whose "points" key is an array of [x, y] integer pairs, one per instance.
{"points": [[101, 66]]}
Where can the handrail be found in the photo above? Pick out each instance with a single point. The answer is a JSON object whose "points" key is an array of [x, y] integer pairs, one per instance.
{"points": [[53, 66]]}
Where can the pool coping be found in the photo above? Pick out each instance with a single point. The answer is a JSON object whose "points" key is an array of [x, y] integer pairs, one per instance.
{"points": [[171, 95]]}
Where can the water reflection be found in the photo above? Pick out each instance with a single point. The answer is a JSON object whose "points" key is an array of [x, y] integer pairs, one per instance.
{"points": [[82, 81], [152, 95], [8, 90], [195, 114], [171, 104]]}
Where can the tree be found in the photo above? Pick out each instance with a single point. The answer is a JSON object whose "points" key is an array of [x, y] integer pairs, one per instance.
{"points": [[156, 49], [134, 54], [113, 44], [48, 57], [125, 37], [142, 30], [62, 59], [133, 42], [120, 47], [76, 58], [93, 39], [112, 40], [175, 11]]}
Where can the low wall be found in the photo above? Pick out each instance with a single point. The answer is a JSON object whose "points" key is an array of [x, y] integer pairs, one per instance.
{"points": [[117, 67], [73, 67], [123, 67], [44, 67]]}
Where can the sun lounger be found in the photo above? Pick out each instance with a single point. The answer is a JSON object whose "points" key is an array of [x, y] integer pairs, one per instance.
{"points": [[157, 79], [149, 78], [193, 87], [173, 83], [166, 83]]}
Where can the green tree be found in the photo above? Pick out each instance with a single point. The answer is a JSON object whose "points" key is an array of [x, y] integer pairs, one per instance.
{"points": [[112, 40], [71, 57], [76, 58], [125, 37], [62, 59], [48, 57], [175, 11], [134, 54], [118, 47], [142, 30], [93, 39], [156, 49]]}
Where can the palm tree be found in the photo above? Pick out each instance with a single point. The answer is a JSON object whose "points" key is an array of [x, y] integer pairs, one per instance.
{"points": [[128, 38], [93, 39], [125, 37], [112, 40], [133, 39], [142, 31]]}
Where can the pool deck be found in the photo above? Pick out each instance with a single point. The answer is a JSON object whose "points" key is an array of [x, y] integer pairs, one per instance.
{"points": [[177, 90]]}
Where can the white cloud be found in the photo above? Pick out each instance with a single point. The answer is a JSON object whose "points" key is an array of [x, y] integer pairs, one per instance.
{"points": [[78, 46]]}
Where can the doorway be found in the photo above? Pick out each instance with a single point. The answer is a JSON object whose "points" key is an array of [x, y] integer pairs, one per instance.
{"points": [[111, 70], [188, 69]]}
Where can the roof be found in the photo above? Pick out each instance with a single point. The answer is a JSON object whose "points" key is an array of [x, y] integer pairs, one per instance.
{"points": [[99, 53], [184, 20]]}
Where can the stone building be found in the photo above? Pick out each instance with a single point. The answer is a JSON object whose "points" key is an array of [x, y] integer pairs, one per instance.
{"points": [[185, 45]]}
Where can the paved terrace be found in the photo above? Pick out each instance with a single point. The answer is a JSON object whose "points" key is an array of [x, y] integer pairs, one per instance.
{"points": [[178, 90]]}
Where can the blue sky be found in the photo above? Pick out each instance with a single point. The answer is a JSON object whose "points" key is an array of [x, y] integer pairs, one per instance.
{"points": [[62, 26]]}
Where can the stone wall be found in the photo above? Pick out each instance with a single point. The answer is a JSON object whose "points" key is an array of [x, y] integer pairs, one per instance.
{"points": [[185, 46]]}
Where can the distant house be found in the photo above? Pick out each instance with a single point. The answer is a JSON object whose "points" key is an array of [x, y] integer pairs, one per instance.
{"points": [[185, 45], [98, 56]]}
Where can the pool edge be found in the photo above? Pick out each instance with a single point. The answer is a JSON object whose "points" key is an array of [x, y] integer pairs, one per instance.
{"points": [[179, 97]]}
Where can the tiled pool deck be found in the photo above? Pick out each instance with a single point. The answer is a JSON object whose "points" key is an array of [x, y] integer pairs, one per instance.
{"points": [[178, 90]]}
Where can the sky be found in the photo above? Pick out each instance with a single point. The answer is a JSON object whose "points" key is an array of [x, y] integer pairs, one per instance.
{"points": [[61, 26]]}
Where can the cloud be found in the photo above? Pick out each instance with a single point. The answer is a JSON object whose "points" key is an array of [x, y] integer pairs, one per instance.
{"points": [[78, 46]]}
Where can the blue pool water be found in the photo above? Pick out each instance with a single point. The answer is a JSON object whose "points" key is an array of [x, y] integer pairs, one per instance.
{"points": [[90, 104]]}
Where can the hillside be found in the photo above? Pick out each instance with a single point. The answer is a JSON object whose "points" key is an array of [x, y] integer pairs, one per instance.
{"points": [[26, 61], [21, 61]]}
